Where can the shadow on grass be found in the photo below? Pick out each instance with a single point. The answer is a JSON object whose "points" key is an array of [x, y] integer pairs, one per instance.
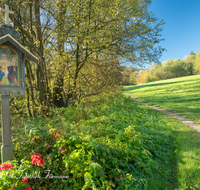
{"points": [[185, 172], [188, 150], [156, 84], [181, 105], [184, 159], [175, 99], [170, 180]]}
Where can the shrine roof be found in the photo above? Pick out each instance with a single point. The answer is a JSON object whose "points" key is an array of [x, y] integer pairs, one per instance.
{"points": [[15, 43]]}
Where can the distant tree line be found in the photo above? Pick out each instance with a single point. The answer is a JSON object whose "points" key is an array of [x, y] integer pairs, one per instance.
{"points": [[190, 65]]}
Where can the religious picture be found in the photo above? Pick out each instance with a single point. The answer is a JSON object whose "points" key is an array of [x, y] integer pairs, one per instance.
{"points": [[8, 67]]}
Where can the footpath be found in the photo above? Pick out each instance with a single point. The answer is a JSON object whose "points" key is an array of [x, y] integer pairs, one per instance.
{"points": [[184, 120]]}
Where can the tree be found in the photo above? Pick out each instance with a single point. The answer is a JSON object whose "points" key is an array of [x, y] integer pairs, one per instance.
{"points": [[189, 62], [197, 63], [80, 44]]}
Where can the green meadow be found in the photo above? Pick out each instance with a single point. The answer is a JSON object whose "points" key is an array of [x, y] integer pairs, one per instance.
{"points": [[112, 142], [115, 143], [179, 95]]}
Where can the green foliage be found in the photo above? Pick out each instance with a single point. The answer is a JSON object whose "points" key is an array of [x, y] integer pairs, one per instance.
{"points": [[129, 75], [170, 69], [80, 45], [13, 178], [167, 70], [197, 63], [107, 146]]}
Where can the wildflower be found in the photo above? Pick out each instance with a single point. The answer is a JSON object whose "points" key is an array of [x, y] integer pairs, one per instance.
{"points": [[11, 189], [28, 188], [6, 165], [24, 180], [42, 162], [35, 156], [36, 159]]}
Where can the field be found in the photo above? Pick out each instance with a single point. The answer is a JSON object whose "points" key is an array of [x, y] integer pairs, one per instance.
{"points": [[179, 95], [116, 144], [111, 143]]}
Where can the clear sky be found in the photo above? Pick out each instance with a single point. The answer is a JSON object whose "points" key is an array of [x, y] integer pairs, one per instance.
{"points": [[182, 26]]}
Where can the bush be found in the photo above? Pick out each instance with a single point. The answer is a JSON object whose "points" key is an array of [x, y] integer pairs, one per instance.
{"points": [[108, 146]]}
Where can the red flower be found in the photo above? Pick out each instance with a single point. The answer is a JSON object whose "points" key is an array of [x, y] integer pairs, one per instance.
{"points": [[36, 159], [42, 162], [11, 189], [28, 188], [6, 165], [35, 156], [24, 180]]}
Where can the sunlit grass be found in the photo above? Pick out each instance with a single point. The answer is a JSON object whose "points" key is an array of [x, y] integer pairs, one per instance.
{"points": [[179, 95], [185, 163], [135, 146], [188, 157]]}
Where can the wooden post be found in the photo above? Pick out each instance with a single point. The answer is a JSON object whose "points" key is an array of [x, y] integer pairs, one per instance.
{"points": [[7, 148], [10, 35]]}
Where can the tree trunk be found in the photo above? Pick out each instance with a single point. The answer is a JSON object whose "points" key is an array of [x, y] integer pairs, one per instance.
{"points": [[41, 69], [58, 100]]}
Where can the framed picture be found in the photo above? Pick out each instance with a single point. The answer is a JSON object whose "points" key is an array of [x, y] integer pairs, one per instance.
{"points": [[9, 67]]}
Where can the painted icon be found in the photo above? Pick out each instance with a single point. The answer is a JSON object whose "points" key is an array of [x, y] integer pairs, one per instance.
{"points": [[8, 67]]}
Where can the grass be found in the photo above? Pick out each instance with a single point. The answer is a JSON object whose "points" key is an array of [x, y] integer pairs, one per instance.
{"points": [[179, 95], [117, 143], [186, 159]]}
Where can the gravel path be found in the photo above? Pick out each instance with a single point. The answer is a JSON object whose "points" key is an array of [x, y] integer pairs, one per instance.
{"points": [[184, 120]]}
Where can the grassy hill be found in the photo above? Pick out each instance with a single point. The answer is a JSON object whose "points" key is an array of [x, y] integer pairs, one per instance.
{"points": [[179, 95], [113, 143]]}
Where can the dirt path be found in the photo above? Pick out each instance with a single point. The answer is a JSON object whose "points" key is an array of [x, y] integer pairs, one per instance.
{"points": [[184, 120]]}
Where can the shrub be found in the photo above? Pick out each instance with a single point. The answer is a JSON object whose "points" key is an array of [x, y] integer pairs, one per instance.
{"points": [[112, 145]]}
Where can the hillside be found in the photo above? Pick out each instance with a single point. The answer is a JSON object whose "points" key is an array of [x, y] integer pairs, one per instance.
{"points": [[179, 95]]}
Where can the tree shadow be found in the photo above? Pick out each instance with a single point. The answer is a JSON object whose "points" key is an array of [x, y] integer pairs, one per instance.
{"points": [[186, 150], [157, 83]]}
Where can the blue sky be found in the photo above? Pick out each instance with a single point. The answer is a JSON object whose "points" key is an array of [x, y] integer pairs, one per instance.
{"points": [[182, 26]]}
